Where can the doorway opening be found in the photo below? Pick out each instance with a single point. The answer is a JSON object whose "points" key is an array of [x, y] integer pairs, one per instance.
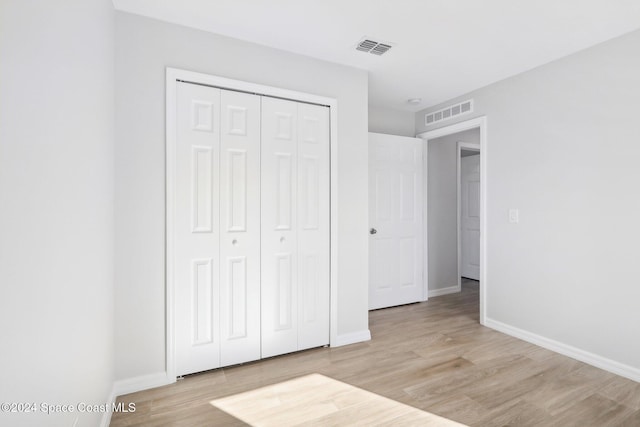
{"points": [[455, 214]]}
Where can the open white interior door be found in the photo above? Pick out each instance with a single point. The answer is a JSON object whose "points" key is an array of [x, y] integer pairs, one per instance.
{"points": [[395, 219]]}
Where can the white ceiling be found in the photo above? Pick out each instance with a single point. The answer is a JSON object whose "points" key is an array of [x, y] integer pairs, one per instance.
{"points": [[442, 48]]}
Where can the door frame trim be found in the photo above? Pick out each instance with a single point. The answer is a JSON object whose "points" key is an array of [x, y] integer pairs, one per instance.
{"points": [[481, 124], [173, 75], [461, 145]]}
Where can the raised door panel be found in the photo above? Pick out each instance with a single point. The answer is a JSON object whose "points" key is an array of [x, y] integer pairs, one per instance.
{"points": [[283, 298], [408, 197], [313, 226], [279, 169], [382, 276], [410, 175], [237, 323], [284, 186], [239, 227], [202, 189], [408, 252], [383, 192], [195, 262], [202, 301]]}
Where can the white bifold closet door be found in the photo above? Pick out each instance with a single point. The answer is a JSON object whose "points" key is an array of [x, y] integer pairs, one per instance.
{"points": [[295, 226], [250, 255], [217, 228]]}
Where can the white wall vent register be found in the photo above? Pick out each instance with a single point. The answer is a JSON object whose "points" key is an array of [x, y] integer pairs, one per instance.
{"points": [[450, 112], [372, 46]]}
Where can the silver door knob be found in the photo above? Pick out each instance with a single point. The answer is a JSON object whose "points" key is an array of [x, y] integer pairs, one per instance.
{"points": [[373, 231]]}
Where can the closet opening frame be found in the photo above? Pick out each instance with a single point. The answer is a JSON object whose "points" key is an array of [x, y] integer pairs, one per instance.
{"points": [[174, 76]]}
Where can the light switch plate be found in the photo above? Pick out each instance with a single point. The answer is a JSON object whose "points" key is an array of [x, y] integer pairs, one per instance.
{"points": [[514, 216]]}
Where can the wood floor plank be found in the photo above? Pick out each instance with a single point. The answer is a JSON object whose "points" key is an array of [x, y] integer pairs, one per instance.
{"points": [[631, 421], [594, 410], [434, 356], [623, 391], [515, 412]]}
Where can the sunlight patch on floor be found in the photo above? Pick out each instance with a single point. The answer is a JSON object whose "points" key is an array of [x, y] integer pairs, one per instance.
{"points": [[319, 400]]}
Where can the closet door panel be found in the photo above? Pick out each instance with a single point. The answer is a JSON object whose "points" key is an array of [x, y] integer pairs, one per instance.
{"points": [[279, 227], [313, 226], [239, 227], [196, 263]]}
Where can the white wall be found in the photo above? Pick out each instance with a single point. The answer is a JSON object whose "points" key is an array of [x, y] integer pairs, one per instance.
{"points": [[391, 122], [56, 206], [144, 47], [563, 147], [442, 208]]}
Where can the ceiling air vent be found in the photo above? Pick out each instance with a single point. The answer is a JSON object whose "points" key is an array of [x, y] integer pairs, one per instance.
{"points": [[373, 46], [450, 112]]}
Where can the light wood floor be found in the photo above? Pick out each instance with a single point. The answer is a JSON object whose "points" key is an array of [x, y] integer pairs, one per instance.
{"points": [[316, 400], [433, 356]]}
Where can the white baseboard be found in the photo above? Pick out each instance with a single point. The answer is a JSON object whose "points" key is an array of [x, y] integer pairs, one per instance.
{"points": [[567, 350], [131, 385], [144, 382], [352, 338], [106, 416], [443, 291]]}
